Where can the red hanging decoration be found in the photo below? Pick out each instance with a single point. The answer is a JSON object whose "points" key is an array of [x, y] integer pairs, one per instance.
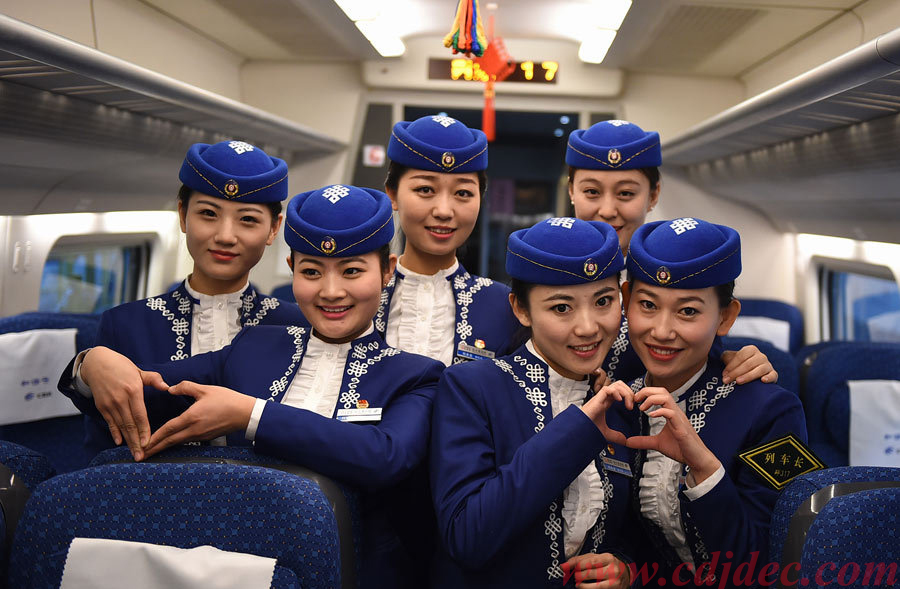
{"points": [[498, 65]]}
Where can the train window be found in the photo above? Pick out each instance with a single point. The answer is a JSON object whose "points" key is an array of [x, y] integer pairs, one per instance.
{"points": [[91, 278], [862, 307]]}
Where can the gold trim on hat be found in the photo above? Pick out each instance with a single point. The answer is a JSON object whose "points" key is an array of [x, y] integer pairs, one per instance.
{"points": [[334, 252], [225, 195], [423, 156], [600, 273], [689, 275], [610, 164]]}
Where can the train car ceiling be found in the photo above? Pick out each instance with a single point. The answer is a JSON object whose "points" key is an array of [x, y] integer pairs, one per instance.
{"points": [[85, 131], [818, 154]]}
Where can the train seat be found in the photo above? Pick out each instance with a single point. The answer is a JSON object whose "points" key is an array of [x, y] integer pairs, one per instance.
{"points": [[56, 431], [853, 540], [21, 470], [232, 507], [285, 292], [783, 362], [802, 500], [344, 501], [774, 321], [833, 374]]}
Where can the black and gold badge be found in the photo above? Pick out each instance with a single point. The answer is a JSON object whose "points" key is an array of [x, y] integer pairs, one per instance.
{"points": [[590, 268], [328, 245], [613, 156], [778, 462], [448, 159], [663, 276], [231, 188]]}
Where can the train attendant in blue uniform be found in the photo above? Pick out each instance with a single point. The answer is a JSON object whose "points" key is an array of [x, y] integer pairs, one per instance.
{"points": [[522, 474], [432, 305], [230, 210], [334, 398], [614, 177], [713, 454]]}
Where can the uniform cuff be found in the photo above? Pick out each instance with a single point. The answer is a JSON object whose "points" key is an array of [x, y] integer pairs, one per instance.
{"points": [[255, 416], [705, 487], [77, 382]]}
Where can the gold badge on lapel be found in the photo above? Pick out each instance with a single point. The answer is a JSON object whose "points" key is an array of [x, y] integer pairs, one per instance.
{"points": [[779, 461], [362, 404]]}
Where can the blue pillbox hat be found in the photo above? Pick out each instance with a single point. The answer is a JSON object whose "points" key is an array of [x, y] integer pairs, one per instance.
{"points": [[438, 143], [564, 250], [613, 145], [234, 170], [684, 253], [339, 221]]}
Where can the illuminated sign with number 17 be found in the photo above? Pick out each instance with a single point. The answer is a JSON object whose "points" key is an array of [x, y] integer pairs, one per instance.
{"points": [[544, 72]]}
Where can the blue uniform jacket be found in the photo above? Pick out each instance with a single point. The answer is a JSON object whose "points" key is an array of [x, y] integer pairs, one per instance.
{"points": [[374, 457], [482, 313], [158, 329], [499, 465], [736, 513]]}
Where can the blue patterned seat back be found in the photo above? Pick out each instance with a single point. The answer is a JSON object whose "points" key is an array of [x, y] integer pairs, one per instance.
{"points": [[285, 292], [33, 467], [850, 536], [782, 362], [344, 500], [826, 397], [779, 311], [246, 509], [804, 486], [61, 438]]}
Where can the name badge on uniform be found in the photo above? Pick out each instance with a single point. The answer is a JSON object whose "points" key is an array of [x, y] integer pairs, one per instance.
{"points": [[619, 466], [473, 352], [367, 414]]}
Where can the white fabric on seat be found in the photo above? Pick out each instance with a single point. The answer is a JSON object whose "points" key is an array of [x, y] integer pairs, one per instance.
{"points": [[30, 365], [874, 423], [96, 563], [776, 331]]}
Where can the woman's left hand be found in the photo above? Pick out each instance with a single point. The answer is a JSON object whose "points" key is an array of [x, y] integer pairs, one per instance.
{"points": [[216, 411], [598, 571], [746, 365], [678, 440]]}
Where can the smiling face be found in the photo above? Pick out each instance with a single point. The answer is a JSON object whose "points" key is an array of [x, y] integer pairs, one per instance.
{"points": [[672, 330], [226, 239], [437, 212], [572, 327], [339, 296], [621, 198]]}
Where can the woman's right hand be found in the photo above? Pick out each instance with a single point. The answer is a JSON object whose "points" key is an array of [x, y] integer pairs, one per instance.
{"points": [[117, 386], [601, 401]]}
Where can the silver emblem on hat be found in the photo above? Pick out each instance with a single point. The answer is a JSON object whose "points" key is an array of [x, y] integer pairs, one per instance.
{"points": [[663, 276], [231, 188], [613, 156], [328, 245], [448, 159]]}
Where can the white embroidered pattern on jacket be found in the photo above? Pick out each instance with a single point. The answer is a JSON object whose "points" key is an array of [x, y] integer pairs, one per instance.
{"points": [[180, 325], [619, 345], [599, 531], [384, 304], [553, 528], [265, 305], [280, 385], [464, 298], [698, 398], [357, 368], [534, 373]]}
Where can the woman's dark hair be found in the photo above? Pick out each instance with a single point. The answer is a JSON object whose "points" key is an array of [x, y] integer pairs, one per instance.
{"points": [[651, 173], [520, 289], [185, 194], [724, 292], [384, 257], [396, 171]]}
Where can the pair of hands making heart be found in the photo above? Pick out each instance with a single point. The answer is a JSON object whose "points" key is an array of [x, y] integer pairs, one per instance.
{"points": [[677, 440], [117, 386]]}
